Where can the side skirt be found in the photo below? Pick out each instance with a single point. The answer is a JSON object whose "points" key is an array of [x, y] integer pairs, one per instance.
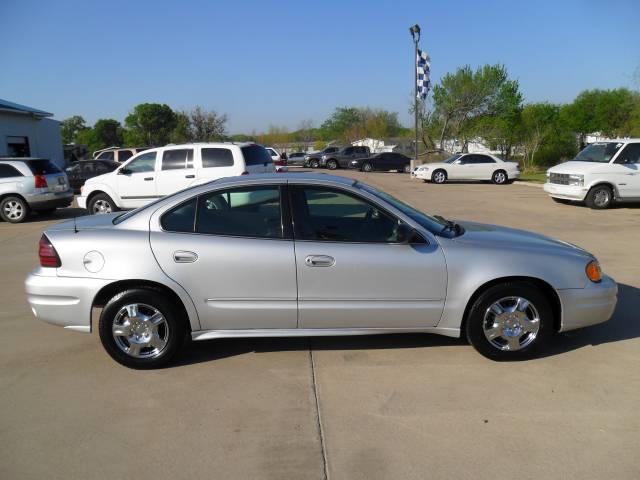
{"points": [[316, 332]]}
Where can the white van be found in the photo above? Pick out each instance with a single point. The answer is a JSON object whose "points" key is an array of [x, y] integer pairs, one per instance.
{"points": [[158, 172], [602, 173]]}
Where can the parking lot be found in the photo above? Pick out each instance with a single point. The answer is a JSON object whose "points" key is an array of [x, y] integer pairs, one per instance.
{"points": [[393, 406]]}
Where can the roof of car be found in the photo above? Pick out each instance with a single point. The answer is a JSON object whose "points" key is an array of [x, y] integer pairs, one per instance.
{"points": [[287, 177], [20, 159]]}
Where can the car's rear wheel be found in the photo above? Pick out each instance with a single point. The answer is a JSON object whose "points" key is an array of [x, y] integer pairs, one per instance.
{"points": [[315, 164], [599, 197], [407, 169], [510, 321], [140, 328], [439, 176], [366, 167], [499, 177], [332, 164], [14, 209], [101, 203]]}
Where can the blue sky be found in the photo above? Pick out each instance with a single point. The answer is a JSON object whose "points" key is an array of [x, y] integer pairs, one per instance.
{"points": [[278, 63]]}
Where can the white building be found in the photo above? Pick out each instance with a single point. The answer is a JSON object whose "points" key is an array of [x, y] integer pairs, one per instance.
{"points": [[29, 132], [375, 145]]}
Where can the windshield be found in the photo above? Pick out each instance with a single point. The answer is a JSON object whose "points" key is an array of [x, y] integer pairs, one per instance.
{"points": [[434, 225], [452, 158], [601, 152]]}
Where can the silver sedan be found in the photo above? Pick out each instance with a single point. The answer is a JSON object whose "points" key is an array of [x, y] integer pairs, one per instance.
{"points": [[307, 255]]}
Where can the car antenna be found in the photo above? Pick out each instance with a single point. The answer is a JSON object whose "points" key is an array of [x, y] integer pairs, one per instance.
{"points": [[75, 227]]}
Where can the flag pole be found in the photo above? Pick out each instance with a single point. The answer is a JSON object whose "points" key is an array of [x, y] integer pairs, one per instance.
{"points": [[415, 35]]}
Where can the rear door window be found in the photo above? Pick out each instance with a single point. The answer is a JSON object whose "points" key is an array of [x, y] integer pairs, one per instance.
{"points": [[42, 167], [217, 157], [256, 155], [106, 156], [177, 159]]}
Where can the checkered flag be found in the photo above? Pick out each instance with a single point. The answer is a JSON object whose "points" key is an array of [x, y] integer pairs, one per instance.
{"points": [[423, 64]]}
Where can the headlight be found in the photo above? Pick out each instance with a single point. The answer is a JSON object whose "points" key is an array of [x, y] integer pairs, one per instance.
{"points": [[576, 180], [593, 271]]}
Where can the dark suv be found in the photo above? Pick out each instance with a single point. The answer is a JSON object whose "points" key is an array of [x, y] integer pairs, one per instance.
{"points": [[344, 157], [314, 159]]}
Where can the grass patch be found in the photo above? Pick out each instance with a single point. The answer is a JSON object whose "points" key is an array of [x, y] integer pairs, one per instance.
{"points": [[538, 177]]}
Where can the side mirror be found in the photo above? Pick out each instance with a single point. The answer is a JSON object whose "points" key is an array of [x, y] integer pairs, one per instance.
{"points": [[124, 171]]}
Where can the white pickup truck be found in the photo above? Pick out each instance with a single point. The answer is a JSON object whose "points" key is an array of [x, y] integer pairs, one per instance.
{"points": [[601, 174]]}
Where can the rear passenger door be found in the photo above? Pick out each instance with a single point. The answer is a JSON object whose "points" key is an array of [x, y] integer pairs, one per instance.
{"points": [[483, 167], [176, 172]]}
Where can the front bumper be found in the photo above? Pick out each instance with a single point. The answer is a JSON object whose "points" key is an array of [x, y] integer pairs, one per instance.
{"points": [[82, 202], [63, 301], [567, 192], [593, 304]]}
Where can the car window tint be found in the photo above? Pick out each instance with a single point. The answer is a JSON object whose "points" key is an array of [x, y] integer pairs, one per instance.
{"points": [[8, 171], [181, 218], [216, 157], [177, 159], [256, 155], [106, 155], [102, 167], [143, 163], [483, 159], [124, 155], [245, 212], [333, 215], [630, 154], [88, 167], [42, 167]]}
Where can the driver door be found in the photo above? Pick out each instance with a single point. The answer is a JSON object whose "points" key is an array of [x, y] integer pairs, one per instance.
{"points": [[137, 181], [352, 269]]}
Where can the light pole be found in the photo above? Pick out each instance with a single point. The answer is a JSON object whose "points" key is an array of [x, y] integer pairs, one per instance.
{"points": [[415, 35]]}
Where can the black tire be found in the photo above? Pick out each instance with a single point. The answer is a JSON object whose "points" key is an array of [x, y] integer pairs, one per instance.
{"points": [[407, 169], [175, 328], [477, 319], [367, 167], [314, 163], [14, 209], [101, 203], [439, 176], [332, 164], [47, 211], [500, 177], [599, 197]]}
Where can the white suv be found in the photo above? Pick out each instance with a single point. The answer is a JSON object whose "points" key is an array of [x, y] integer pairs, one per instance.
{"points": [[600, 174], [163, 171]]}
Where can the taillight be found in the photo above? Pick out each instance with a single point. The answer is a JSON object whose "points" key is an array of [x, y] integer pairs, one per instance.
{"points": [[280, 163], [48, 255], [41, 182], [245, 173]]}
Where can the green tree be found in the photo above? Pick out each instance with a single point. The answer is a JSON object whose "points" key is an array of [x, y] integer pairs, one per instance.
{"points": [[341, 120], [69, 127], [150, 124], [106, 132]]}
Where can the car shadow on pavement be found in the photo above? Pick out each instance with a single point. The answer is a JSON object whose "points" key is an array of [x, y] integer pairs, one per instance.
{"points": [[624, 325], [57, 216]]}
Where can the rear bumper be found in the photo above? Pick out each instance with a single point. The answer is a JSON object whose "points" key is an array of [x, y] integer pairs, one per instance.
{"points": [[63, 301], [45, 201], [593, 304], [567, 192]]}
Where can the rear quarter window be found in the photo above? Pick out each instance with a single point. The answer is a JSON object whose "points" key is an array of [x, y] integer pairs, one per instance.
{"points": [[42, 167], [8, 171], [256, 155], [216, 157]]}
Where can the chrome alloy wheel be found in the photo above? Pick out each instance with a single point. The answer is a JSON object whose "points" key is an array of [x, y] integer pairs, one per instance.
{"points": [[439, 177], [499, 177], [511, 323], [13, 210], [101, 206], [602, 197], [140, 330]]}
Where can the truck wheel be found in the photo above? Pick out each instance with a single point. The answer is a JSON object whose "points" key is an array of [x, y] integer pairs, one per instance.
{"points": [[13, 209], [332, 164], [599, 197], [101, 203], [315, 164]]}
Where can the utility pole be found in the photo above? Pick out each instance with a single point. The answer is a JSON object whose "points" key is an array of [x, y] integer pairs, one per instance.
{"points": [[415, 35]]}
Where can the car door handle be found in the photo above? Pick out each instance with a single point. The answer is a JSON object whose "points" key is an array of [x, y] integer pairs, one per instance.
{"points": [[189, 176], [182, 256], [320, 261], [147, 179]]}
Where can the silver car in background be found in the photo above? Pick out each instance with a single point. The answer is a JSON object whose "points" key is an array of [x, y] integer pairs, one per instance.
{"points": [[31, 185], [308, 255]]}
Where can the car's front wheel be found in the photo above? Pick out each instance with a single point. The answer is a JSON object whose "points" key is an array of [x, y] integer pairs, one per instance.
{"points": [[599, 197], [14, 209], [332, 164], [366, 167], [510, 321], [101, 203], [140, 328], [407, 169], [439, 176]]}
